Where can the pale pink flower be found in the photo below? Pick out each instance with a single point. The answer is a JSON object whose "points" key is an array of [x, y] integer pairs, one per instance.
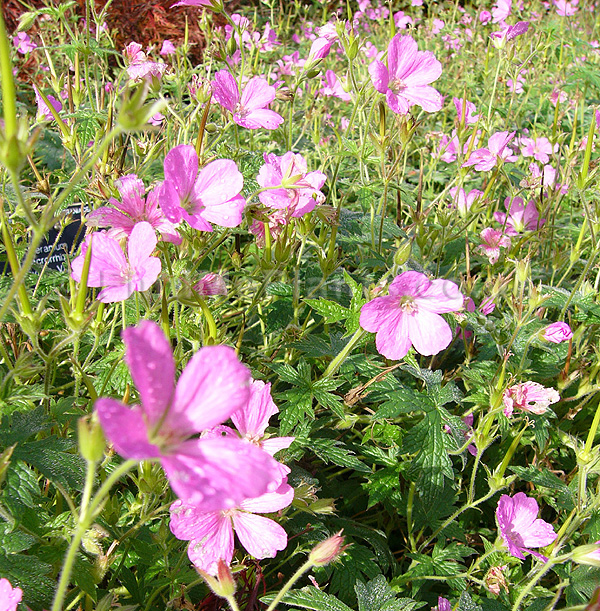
{"points": [[487, 306], [448, 148], [564, 8], [463, 201], [538, 148], [109, 267], [23, 44], [557, 332], [168, 48], [198, 3], [405, 80], [213, 473], [485, 17], [501, 10], [484, 159], [517, 84], [410, 315], [542, 178], [519, 218], [466, 111], [211, 284], [299, 189], [558, 96], [139, 66], [250, 110], [493, 240], [495, 579], [319, 49], [333, 87], [9, 597], [134, 208], [437, 25], [402, 20], [530, 397], [211, 195], [211, 533], [520, 528]]}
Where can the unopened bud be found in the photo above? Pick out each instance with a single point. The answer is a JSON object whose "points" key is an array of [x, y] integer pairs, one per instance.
{"points": [[403, 253], [223, 584], [495, 580], [327, 551], [91, 438], [587, 554]]}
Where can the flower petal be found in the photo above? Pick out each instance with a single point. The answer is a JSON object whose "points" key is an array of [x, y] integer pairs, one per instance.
{"points": [[225, 90], [261, 537], [428, 332]]}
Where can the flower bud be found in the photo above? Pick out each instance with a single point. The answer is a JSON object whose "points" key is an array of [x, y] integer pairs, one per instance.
{"points": [[587, 554], [403, 253], [495, 580], [327, 551], [223, 585], [91, 438]]}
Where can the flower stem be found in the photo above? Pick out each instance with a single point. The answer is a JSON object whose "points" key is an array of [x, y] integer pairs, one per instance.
{"points": [[293, 579], [343, 355]]}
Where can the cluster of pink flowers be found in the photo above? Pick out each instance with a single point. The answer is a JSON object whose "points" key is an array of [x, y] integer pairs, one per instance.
{"points": [[221, 477]]}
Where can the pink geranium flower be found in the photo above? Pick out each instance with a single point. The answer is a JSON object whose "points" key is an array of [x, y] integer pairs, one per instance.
{"points": [[405, 80], [211, 473], [109, 267], [484, 159], [557, 332], [333, 87], [530, 397], [519, 218], [139, 66], [564, 8], [466, 111], [168, 48], [9, 597], [201, 198], [410, 315], [23, 43], [211, 284], [211, 533], [134, 209], [520, 528], [42, 107], [492, 241], [463, 201], [538, 148], [251, 109], [501, 10], [298, 189]]}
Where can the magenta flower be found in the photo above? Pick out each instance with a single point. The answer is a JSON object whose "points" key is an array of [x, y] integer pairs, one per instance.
{"points": [[520, 527], [484, 159], [251, 109], [519, 218], [109, 267], [333, 87], [493, 240], [463, 201], [211, 533], [201, 198], [405, 80], [443, 605], [134, 209], [410, 315], [23, 43], [139, 66], [168, 48], [208, 3], [299, 189], [212, 473], [530, 397], [211, 284], [466, 111], [557, 332], [487, 306], [9, 597], [448, 148], [42, 107], [538, 148]]}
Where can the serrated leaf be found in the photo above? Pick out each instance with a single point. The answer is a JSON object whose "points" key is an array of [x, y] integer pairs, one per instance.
{"points": [[330, 310], [377, 595], [30, 574], [403, 401], [358, 561], [22, 425], [14, 541], [280, 289], [330, 450], [466, 603], [310, 597]]}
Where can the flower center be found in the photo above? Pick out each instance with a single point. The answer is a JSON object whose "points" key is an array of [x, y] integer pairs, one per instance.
{"points": [[408, 305], [397, 85]]}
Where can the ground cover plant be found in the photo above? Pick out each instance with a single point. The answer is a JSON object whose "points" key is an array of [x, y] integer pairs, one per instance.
{"points": [[310, 324]]}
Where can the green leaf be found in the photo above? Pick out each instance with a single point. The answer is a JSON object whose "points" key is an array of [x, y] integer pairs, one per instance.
{"points": [[403, 401], [358, 561], [310, 597], [384, 486], [280, 289], [329, 310], [330, 450], [466, 603], [376, 595], [30, 574], [22, 425], [12, 542]]}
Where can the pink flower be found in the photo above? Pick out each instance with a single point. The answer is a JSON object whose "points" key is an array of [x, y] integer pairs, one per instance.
{"points": [[557, 332], [9, 597], [487, 306], [538, 148], [23, 44], [410, 315], [448, 148], [42, 107], [464, 201], [406, 79], [211, 284], [319, 49], [139, 67], [484, 159], [465, 110], [443, 605], [299, 189], [198, 3], [211, 473], [132, 210], [564, 8], [201, 198], [530, 397], [520, 527], [211, 533], [250, 110], [485, 17], [493, 241], [333, 87], [519, 218], [168, 48], [111, 269], [501, 11]]}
